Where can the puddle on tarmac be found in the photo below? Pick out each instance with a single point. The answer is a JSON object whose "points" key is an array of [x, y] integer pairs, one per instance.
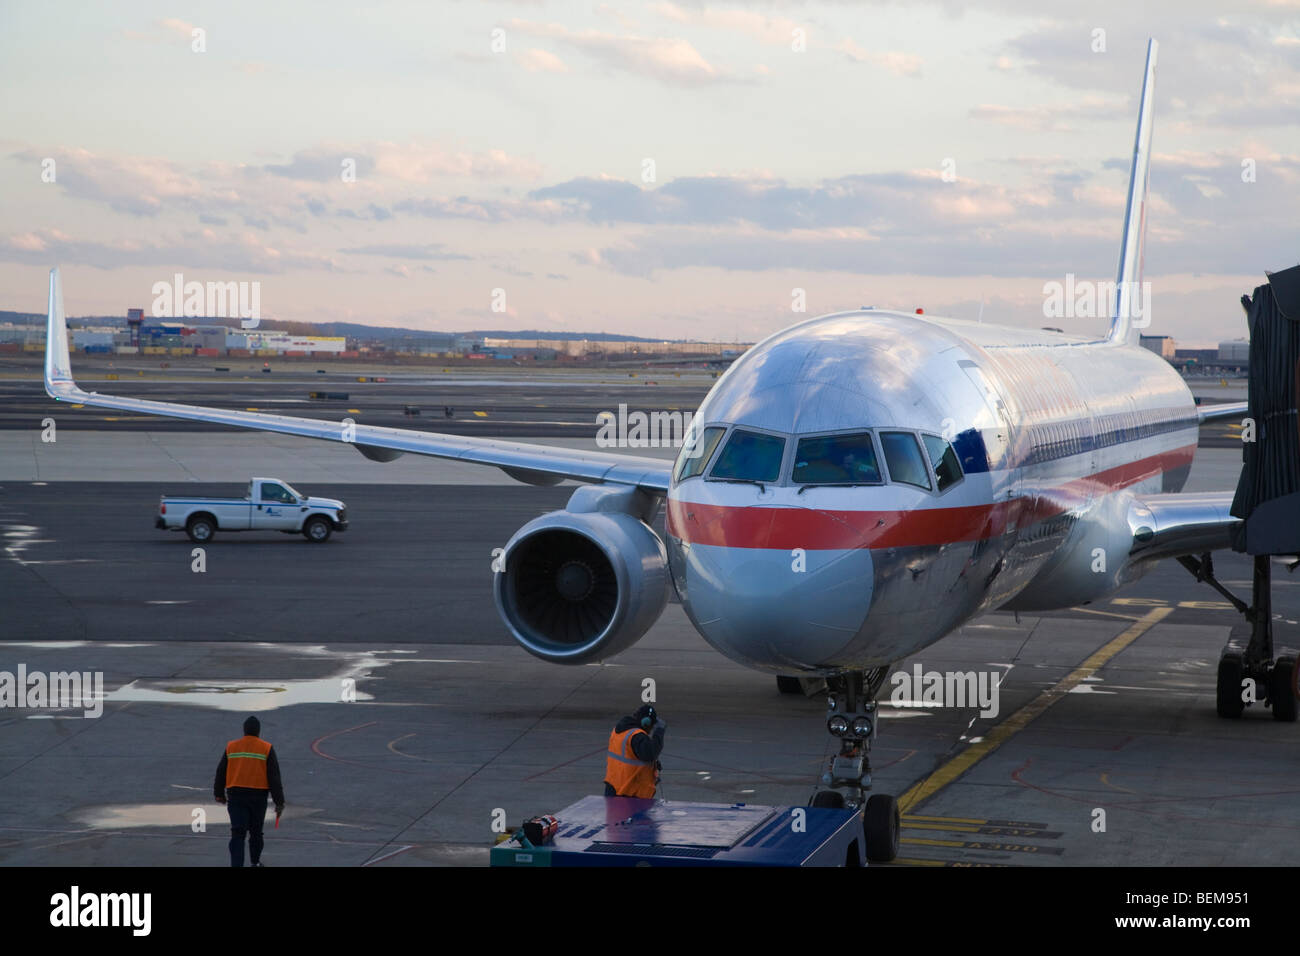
{"points": [[236, 695], [260, 695], [122, 816]]}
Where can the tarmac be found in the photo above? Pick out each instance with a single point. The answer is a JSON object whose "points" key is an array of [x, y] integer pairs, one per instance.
{"points": [[405, 717]]}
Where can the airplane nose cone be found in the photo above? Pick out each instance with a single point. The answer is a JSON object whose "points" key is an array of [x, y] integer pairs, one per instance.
{"points": [[773, 609]]}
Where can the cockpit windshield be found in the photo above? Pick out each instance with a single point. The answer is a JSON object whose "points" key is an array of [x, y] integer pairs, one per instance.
{"points": [[696, 452], [836, 459], [903, 456], [750, 456]]}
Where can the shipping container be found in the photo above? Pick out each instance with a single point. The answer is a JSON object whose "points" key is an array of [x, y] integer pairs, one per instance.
{"points": [[239, 353], [208, 353], [127, 350], [10, 347]]}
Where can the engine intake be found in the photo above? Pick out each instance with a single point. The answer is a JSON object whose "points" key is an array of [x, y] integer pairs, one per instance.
{"points": [[582, 586]]}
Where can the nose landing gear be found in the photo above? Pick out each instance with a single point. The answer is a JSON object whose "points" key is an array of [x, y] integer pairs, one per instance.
{"points": [[851, 720]]}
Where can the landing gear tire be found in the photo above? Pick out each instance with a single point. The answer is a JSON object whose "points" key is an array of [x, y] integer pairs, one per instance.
{"points": [[881, 825], [1282, 689], [828, 799], [1228, 687], [788, 685], [201, 529], [317, 530]]}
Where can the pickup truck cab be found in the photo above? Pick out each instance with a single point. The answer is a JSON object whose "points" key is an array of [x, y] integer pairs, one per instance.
{"points": [[270, 505]]}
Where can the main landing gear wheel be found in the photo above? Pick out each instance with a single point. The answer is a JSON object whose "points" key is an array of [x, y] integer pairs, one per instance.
{"points": [[1274, 680], [881, 824], [1282, 689], [1227, 688]]}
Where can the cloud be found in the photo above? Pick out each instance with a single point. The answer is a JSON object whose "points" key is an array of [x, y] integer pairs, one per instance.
{"points": [[541, 61], [896, 62], [1212, 71], [179, 27], [773, 31], [428, 252], [1056, 118], [670, 60], [201, 250], [407, 162], [915, 198]]}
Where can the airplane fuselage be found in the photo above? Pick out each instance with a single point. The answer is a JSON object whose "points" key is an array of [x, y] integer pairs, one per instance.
{"points": [[1054, 434]]}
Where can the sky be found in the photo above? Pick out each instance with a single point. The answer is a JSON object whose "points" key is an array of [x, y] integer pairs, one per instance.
{"points": [[668, 169]]}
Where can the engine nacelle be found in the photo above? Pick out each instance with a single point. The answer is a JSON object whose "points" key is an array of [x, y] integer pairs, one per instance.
{"points": [[585, 583]]}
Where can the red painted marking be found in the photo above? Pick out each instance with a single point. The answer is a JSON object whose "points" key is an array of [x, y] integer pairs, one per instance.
{"points": [[316, 749], [786, 528]]}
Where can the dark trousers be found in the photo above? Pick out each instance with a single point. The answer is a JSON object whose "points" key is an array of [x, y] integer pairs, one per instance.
{"points": [[247, 808]]}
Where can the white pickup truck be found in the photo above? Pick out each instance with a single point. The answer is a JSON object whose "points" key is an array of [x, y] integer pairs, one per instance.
{"points": [[270, 505]]}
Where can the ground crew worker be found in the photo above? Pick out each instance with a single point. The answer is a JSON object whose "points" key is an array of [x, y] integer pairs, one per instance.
{"points": [[247, 772], [632, 761]]}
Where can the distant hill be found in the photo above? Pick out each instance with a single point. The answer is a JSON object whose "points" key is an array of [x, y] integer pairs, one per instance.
{"points": [[379, 333]]}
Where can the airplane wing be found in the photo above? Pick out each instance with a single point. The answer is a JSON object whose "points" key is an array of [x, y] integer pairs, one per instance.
{"points": [[1172, 525], [533, 464], [1208, 413]]}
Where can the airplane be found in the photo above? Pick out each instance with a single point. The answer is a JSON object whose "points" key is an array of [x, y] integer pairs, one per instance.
{"points": [[853, 489]]}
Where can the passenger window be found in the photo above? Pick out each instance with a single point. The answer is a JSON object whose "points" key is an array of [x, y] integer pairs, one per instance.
{"points": [[944, 460], [903, 456], [695, 454], [749, 456], [836, 459]]}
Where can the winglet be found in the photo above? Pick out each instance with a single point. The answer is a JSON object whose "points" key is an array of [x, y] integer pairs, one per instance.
{"points": [[58, 367], [1132, 305]]}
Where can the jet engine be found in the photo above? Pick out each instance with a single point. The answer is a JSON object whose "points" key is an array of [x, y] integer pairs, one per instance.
{"points": [[584, 583]]}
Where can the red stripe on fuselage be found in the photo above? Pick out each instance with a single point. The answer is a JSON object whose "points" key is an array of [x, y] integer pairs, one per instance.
{"points": [[786, 528]]}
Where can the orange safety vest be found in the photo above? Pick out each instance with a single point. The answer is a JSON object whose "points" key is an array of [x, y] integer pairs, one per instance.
{"points": [[628, 776], [246, 763]]}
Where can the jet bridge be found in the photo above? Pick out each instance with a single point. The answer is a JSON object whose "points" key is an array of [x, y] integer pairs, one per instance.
{"points": [[1267, 499]]}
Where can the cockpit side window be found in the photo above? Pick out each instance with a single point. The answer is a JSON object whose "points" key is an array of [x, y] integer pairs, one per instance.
{"points": [[750, 456], [836, 459], [903, 456], [946, 469], [696, 452]]}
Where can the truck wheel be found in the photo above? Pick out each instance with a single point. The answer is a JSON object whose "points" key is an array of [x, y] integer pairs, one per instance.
{"points": [[201, 528], [317, 529]]}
